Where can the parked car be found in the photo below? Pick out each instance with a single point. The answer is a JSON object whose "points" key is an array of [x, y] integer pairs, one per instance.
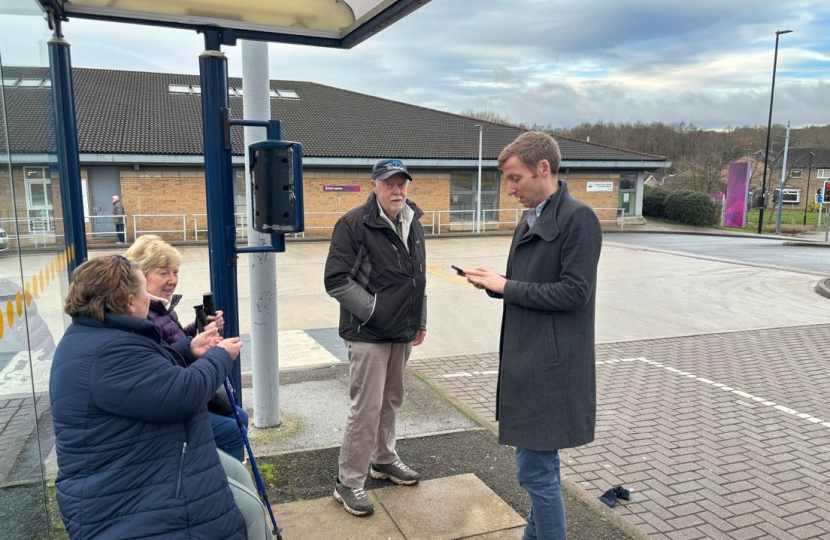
{"points": [[4, 239]]}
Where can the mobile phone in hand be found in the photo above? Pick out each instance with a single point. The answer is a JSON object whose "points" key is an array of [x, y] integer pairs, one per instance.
{"points": [[459, 271]]}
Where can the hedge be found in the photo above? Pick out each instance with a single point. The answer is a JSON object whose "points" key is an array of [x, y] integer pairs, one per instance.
{"points": [[683, 206], [654, 202]]}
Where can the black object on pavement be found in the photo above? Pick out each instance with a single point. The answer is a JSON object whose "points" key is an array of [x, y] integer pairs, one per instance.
{"points": [[617, 492]]}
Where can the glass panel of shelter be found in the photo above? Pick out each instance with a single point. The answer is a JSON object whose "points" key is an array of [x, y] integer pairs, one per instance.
{"points": [[33, 277]]}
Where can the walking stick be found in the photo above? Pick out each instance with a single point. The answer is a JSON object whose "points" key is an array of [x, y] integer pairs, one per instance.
{"points": [[207, 308]]}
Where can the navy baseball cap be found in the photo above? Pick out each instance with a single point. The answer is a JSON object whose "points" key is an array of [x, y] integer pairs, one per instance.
{"points": [[389, 167]]}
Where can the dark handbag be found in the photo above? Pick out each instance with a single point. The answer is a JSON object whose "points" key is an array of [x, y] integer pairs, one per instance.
{"points": [[219, 403]]}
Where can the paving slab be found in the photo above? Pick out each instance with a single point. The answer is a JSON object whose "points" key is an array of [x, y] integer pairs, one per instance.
{"points": [[323, 519], [314, 405], [447, 508]]}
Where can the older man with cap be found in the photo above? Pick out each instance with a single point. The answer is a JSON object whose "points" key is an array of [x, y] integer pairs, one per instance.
{"points": [[376, 270]]}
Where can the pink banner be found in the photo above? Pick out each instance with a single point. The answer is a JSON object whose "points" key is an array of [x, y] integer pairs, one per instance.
{"points": [[737, 191]]}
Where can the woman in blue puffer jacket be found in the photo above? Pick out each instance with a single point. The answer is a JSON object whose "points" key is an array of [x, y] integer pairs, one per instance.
{"points": [[136, 456], [159, 262]]}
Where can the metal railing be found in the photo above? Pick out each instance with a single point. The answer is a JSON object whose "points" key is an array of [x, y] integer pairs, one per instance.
{"points": [[619, 216], [138, 232], [424, 223], [241, 225], [517, 216], [40, 231], [470, 226], [323, 228], [112, 233]]}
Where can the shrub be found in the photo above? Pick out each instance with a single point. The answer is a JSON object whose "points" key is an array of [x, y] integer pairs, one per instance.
{"points": [[691, 208], [654, 202]]}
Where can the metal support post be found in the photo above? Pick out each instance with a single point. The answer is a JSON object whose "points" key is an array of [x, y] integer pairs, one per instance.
{"points": [[213, 73], [66, 139], [478, 193], [262, 266], [783, 182]]}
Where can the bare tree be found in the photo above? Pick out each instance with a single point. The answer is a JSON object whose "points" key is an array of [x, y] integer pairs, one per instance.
{"points": [[485, 115]]}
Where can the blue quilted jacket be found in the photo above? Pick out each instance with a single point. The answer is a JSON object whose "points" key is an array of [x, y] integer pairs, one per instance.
{"points": [[136, 457]]}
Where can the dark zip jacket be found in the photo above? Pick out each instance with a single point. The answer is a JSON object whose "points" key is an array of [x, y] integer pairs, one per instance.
{"points": [[378, 281]]}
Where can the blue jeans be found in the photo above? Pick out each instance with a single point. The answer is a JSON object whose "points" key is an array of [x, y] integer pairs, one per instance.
{"points": [[227, 435], [538, 474]]}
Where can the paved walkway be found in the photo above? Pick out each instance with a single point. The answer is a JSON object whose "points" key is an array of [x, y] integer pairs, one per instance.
{"points": [[17, 422], [718, 435]]}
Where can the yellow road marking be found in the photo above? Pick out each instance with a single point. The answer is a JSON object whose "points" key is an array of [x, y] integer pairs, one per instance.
{"points": [[431, 270]]}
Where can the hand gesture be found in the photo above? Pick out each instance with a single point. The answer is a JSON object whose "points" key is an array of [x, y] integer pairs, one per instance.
{"points": [[204, 341], [232, 345], [218, 320], [484, 278]]}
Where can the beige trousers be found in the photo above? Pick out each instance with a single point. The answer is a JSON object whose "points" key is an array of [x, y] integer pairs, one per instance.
{"points": [[376, 390]]}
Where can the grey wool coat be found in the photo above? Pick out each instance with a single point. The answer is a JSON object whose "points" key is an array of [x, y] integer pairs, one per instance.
{"points": [[546, 396]]}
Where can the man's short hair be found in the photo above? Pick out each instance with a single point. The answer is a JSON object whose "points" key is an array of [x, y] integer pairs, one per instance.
{"points": [[532, 147]]}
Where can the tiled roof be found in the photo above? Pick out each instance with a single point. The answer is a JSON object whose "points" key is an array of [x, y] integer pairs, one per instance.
{"points": [[800, 157], [129, 112]]}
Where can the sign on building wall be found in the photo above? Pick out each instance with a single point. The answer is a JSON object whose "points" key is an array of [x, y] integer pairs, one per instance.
{"points": [[341, 188], [737, 191], [600, 186]]}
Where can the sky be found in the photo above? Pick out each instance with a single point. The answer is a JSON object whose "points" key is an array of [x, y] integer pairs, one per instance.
{"points": [[557, 62]]}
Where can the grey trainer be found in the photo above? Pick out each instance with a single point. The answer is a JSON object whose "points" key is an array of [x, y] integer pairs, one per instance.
{"points": [[355, 501], [396, 472]]}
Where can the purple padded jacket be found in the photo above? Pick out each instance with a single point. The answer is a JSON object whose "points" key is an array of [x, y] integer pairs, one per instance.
{"points": [[167, 321]]}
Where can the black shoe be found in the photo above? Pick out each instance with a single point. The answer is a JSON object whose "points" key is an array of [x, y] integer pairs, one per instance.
{"points": [[355, 501], [396, 472]]}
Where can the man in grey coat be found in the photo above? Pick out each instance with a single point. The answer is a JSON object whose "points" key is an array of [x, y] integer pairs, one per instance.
{"points": [[546, 395], [118, 219]]}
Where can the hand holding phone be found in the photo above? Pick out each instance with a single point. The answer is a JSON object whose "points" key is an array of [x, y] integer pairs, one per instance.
{"points": [[458, 270]]}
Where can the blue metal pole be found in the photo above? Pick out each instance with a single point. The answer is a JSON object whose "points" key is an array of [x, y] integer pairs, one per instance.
{"points": [[213, 70], [66, 139]]}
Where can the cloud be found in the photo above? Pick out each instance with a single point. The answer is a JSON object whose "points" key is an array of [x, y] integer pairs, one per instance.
{"points": [[707, 62]]}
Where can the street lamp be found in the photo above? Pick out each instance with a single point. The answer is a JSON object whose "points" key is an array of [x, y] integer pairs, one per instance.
{"points": [[769, 127], [807, 192], [478, 196]]}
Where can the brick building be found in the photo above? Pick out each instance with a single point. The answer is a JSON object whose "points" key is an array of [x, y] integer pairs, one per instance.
{"points": [[807, 170], [140, 137]]}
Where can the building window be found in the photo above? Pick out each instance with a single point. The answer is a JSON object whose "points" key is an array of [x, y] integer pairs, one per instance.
{"points": [[791, 196], [288, 94], [463, 189], [795, 173], [30, 83], [38, 199], [824, 173]]}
